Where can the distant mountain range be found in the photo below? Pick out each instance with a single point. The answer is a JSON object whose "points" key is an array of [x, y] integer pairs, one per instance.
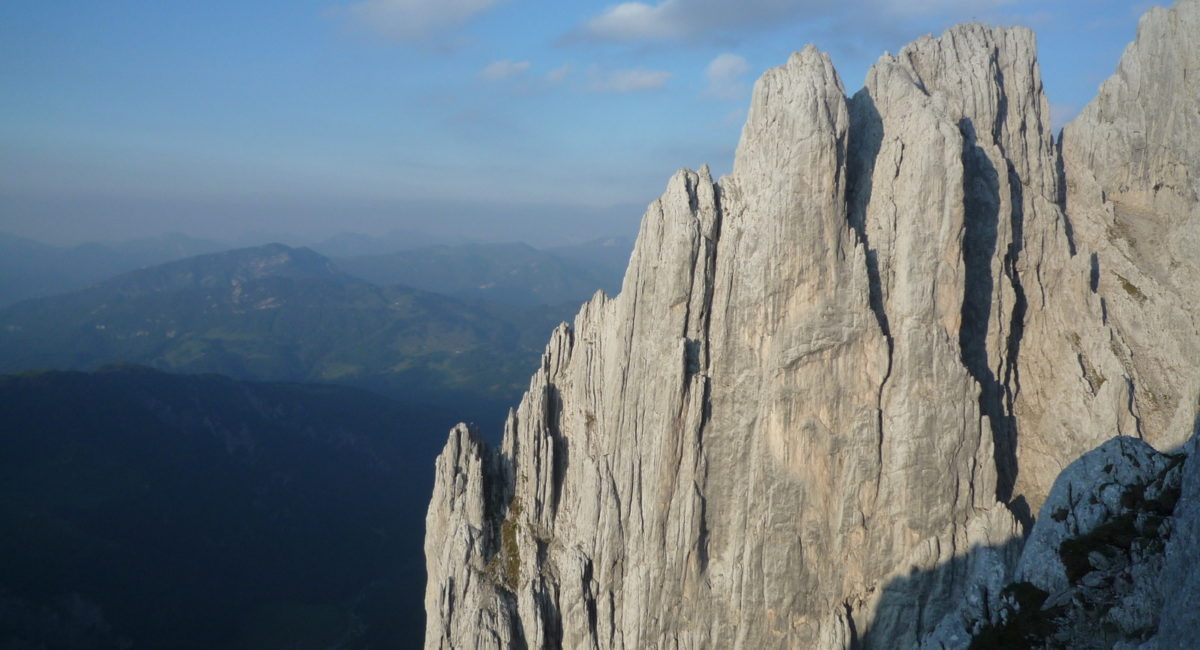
{"points": [[280, 313], [148, 510], [353, 244], [509, 273], [512, 273], [609, 255], [30, 269]]}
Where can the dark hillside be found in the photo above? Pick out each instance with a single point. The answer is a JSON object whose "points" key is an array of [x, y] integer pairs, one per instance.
{"points": [[148, 510]]}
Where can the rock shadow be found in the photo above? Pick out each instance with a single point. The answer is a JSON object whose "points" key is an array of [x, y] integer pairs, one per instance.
{"points": [[975, 597], [561, 450], [912, 606], [981, 199], [864, 142], [1060, 170]]}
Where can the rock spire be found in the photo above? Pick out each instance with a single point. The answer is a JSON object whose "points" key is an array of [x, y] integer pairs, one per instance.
{"points": [[838, 384]]}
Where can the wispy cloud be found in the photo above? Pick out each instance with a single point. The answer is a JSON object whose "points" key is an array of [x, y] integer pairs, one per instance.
{"points": [[504, 69], [689, 19], [717, 20], [724, 75], [912, 8], [413, 20], [559, 74], [636, 21], [627, 81]]}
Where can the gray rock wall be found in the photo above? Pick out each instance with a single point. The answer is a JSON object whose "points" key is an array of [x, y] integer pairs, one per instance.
{"points": [[836, 382]]}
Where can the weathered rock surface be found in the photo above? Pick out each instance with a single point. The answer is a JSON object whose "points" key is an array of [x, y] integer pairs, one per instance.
{"points": [[1094, 573], [1132, 168], [1097, 551], [835, 382], [1179, 584]]}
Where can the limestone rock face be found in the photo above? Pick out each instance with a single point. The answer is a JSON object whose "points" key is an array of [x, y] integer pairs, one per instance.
{"points": [[835, 384], [1133, 193]]}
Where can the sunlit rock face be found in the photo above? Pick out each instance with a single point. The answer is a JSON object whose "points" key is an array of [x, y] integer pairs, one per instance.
{"points": [[1132, 167], [838, 383]]}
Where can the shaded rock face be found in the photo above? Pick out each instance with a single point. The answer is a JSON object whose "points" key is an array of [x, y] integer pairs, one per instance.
{"points": [[1104, 567], [834, 386]]}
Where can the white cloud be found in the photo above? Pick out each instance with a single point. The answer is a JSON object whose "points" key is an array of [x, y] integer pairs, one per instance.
{"points": [[414, 20], [559, 74], [504, 69], [626, 81], [690, 19], [719, 20], [724, 75], [636, 21], [959, 8]]}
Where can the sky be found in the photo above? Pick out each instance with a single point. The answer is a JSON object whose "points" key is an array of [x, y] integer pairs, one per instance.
{"points": [[496, 120]]}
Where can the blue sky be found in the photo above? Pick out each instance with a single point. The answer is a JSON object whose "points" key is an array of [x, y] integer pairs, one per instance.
{"points": [[494, 119]]}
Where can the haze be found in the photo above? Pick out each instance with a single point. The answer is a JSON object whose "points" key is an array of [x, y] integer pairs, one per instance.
{"points": [[488, 120]]}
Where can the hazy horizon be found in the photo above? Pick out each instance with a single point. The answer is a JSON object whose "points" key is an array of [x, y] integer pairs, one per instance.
{"points": [[59, 223], [533, 121]]}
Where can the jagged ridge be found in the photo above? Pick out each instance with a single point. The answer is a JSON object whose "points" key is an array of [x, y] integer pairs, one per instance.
{"points": [[827, 378]]}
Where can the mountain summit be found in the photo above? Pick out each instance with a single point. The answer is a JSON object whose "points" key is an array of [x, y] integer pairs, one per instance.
{"points": [[838, 384], [276, 313]]}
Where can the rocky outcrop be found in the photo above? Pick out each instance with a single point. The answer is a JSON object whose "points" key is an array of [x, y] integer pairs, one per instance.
{"points": [[832, 390], [1096, 571], [1179, 582]]}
